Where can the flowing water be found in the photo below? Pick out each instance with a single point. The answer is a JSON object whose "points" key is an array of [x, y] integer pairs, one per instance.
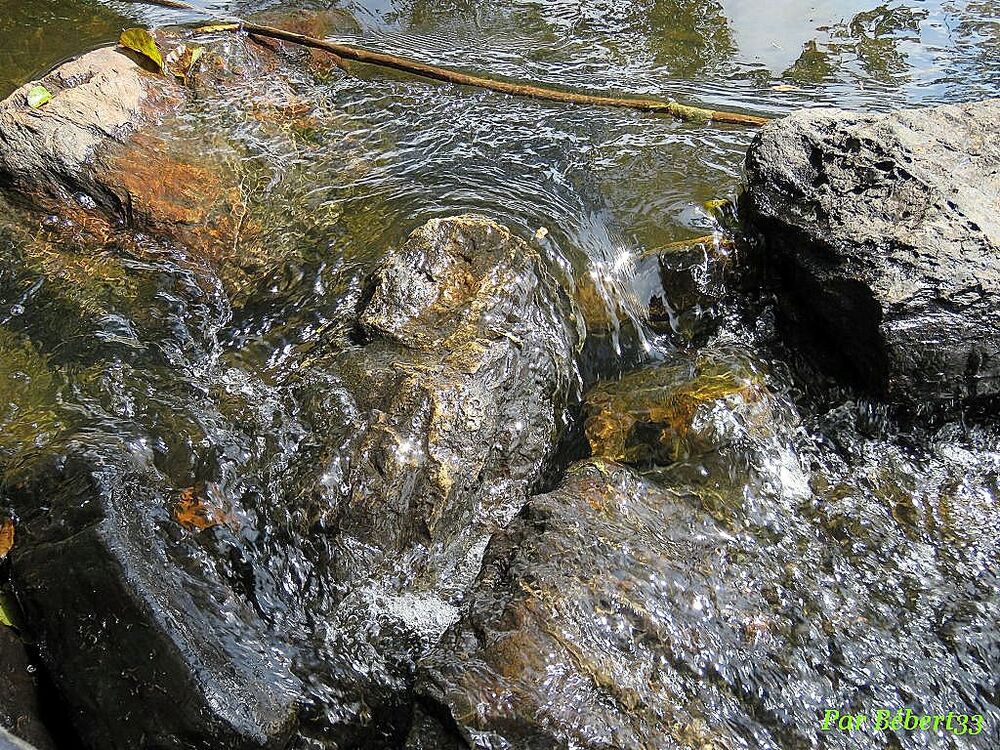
{"points": [[884, 540]]}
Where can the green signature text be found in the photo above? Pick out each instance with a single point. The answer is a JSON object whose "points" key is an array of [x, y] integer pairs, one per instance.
{"points": [[902, 720]]}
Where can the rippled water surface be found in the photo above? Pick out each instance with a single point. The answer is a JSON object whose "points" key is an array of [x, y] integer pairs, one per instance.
{"points": [[890, 529], [640, 178]]}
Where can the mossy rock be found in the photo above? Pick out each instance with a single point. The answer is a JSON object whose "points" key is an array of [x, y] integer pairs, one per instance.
{"points": [[664, 413]]}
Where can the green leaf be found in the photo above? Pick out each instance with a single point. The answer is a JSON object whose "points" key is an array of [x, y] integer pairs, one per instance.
{"points": [[9, 612], [141, 41], [38, 96]]}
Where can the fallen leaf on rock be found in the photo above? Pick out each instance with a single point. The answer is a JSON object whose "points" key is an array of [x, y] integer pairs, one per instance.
{"points": [[10, 612], [4, 617], [195, 512], [141, 41], [6, 537], [182, 61], [38, 96]]}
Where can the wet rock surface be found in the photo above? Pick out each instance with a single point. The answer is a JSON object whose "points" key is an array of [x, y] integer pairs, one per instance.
{"points": [[222, 550], [20, 699], [447, 417], [259, 450], [623, 611], [884, 230], [694, 280]]}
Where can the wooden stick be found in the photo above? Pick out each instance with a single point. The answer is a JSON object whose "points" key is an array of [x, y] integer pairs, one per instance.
{"points": [[175, 4], [708, 241], [434, 72]]}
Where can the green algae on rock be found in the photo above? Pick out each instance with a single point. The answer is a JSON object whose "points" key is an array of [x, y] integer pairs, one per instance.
{"points": [[662, 413]]}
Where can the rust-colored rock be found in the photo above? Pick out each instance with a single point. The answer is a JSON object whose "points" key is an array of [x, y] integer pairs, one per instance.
{"points": [[114, 154]]}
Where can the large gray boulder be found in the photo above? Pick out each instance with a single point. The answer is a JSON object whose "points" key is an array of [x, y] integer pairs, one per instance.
{"points": [[885, 232]]}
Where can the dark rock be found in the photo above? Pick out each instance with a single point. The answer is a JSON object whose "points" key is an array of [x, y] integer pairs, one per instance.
{"points": [[280, 579], [620, 613], [480, 344], [884, 231], [694, 278], [20, 702], [428, 733], [148, 649], [567, 641]]}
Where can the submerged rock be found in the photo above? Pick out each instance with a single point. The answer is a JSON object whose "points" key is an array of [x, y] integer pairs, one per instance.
{"points": [[156, 165], [276, 583], [146, 642], [478, 345], [678, 409], [619, 613], [885, 231]]}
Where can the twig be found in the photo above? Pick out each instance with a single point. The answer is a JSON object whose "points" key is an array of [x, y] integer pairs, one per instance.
{"points": [[175, 4], [708, 240], [434, 72]]}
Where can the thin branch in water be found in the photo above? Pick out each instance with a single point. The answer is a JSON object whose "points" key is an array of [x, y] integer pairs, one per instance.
{"points": [[343, 52], [681, 246]]}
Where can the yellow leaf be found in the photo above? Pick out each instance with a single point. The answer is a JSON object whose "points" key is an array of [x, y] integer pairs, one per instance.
{"points": [[141, 41], [216, 27], [6, 537]]}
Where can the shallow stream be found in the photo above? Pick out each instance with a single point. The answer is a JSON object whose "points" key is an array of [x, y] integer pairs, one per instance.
{"points": [[885, 541]]}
